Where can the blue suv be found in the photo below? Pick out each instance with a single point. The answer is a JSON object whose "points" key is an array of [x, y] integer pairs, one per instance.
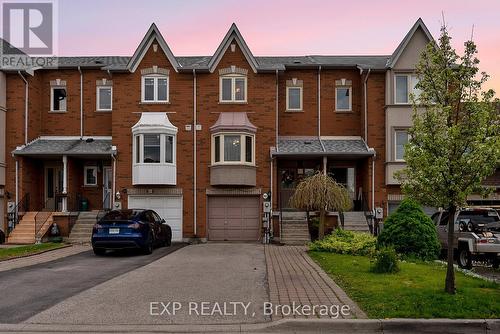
{"points": [[132, 228]]}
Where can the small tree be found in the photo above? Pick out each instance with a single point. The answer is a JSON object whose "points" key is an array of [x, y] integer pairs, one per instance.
{"points": [[321, 192], [455, 138]]}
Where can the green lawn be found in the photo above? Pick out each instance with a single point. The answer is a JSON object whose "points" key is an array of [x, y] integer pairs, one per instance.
{"points": [[415, 292], [12, 252]]}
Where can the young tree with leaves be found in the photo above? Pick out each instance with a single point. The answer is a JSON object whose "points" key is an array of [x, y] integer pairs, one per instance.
{"points": [[321, 192], [455, 139]]}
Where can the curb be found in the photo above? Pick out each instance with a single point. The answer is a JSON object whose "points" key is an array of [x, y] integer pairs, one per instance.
{"points": [[37, 253], [442, 326]]}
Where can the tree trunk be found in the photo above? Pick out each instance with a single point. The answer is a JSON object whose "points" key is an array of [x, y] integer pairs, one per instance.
{"points": [[450, 272], [321, 228]]}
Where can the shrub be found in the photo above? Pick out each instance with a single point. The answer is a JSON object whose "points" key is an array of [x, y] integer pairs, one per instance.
{"points": [[386, 261], [411, 232], [346, 242]]}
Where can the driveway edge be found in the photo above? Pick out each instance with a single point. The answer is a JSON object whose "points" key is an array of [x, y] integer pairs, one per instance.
{"points": [[442, 326]]}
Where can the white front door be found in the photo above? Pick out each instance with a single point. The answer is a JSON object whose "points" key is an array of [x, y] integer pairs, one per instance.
{"points": [[107, 187], [168, 207]]}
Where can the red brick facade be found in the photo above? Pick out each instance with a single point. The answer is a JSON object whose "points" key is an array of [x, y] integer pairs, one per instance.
{"points": [[127, 108]]}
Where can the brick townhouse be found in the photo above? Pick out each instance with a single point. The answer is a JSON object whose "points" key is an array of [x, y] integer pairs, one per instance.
{"points": [[201, 139]]}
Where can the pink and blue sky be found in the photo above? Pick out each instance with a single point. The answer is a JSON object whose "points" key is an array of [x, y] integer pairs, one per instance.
{"points": [[293, 27]]}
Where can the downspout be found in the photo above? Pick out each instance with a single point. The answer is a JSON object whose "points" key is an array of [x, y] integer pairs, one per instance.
{"points": [[17, 187], [277, 112], [365, 87], [81, 102], [194, 155], [373, 182], [319, 110], [113, 185], [26, 88]]}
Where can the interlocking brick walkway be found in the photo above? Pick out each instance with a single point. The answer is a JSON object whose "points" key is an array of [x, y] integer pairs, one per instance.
{"points": [[43, 257], [294, 277]]}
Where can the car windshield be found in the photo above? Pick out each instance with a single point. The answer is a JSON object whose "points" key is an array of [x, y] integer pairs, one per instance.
{"points": [[121, 215]]}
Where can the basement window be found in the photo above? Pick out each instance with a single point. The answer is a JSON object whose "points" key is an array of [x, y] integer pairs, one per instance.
{"points": [[58, 99]]}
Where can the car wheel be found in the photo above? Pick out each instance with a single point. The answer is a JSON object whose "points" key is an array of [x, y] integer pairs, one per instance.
{"points": [[464, 258], [99, 251], [148, 248]]}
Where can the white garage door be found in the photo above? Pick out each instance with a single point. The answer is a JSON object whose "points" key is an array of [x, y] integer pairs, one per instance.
{"points": [[168, 207]]}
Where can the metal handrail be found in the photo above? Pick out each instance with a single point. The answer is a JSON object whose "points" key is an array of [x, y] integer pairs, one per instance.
{"points": [[22, 206], [42, 216], [368, 213], [103, 210]]}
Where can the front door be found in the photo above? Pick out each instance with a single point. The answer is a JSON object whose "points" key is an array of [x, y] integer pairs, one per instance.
{"points": [[53, 187], [107, 187]]}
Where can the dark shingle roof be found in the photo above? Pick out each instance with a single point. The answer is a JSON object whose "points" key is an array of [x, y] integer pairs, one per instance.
{"points": [[68, 147], [332, 146]]}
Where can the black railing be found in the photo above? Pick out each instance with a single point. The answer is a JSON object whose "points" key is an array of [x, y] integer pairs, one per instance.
{"points": [[104, 209], [14, 215], [368, 213]]}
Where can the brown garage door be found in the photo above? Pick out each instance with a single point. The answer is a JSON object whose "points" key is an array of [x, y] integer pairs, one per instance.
{"points": [[233, 218]]}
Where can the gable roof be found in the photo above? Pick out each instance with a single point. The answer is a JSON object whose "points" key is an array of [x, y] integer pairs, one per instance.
{"points": [[152, 34], [235, 34], [401, 47]]}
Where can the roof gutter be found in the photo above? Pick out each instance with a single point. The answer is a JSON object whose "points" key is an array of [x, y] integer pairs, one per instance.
{"points": [[26, 91]]}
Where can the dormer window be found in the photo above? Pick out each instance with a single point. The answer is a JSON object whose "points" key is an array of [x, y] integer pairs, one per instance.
{"points": [[155, 85], [154, 150], [233, 85]]}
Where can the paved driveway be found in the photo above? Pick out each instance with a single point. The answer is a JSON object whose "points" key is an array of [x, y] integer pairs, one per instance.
{"points": [[31, 289], [213, 273]]}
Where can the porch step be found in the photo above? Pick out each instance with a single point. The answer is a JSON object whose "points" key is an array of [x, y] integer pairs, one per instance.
{"points": [[24, 232], [294, 228], [355, 221], [82, 230]]}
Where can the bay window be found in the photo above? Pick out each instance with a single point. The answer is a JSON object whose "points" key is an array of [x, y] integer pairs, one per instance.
{"points": [[233, 148], [401, 138], [154, 148]]}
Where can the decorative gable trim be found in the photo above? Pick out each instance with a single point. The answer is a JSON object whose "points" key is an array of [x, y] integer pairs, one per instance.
{"points": [[104, 82], [155, 70], [58, 83], [153, 34], [402, 46], [232, 36], [233, 70]]}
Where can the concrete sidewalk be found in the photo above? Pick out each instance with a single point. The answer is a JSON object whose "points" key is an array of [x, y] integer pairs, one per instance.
{"points": [[305, 326], [44, 257]]}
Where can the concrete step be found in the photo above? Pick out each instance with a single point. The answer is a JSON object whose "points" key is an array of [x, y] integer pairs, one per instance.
{"points": [[14, 240], [297, 215]]}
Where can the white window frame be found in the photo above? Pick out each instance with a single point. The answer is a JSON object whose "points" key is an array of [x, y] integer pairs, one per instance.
{"points": [[350, 98], [242, 160], [288, 98], [52, 98], [85, 169], [155, 77], [162, 149], [395, 142], [98, 98], [233, 78], [410, 78]]}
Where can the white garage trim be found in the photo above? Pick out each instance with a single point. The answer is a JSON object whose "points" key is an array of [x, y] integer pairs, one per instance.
{"points": [[168, 207]]}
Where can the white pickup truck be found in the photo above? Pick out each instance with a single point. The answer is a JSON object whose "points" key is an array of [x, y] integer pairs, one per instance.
{"points": [[476, 235]]}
